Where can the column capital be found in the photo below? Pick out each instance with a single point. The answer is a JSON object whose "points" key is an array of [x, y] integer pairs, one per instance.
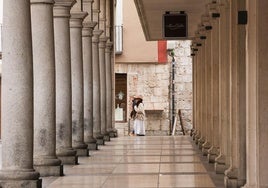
{"points": [[42, 1], [96, 35], [103, 41], [109, 46], [62, 8], [65, 3], [89, 24], [88, 1], [87, 30], [77, 19]]}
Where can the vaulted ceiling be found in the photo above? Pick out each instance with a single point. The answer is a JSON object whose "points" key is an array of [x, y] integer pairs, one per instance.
{"points": [[151, 13]]}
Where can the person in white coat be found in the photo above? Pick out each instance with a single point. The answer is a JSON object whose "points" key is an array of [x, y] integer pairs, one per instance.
{"points": [[139, 126]]}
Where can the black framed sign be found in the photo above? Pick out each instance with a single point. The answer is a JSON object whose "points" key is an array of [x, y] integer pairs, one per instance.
{"points": [[175, 25]]}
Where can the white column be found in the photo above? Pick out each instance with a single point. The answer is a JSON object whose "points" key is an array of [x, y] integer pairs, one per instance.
{"points": [[17, 98], [77, 17], [87, 34], [64, 149], [45, 160]]}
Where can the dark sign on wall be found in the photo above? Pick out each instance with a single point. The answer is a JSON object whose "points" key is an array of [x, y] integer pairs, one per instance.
{"points": [[175, 25]]}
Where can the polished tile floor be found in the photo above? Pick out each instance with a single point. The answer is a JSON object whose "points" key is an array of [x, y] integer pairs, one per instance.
{"points": [[140, 162]]}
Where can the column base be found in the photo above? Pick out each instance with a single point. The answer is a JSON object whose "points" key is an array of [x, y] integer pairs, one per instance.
{"points": [[106, 137], [21, 183], [212, 154], [197, 137], [81, 149], [20, 178], [69, 160], [92, 146], [100, 138], [82, 152], [205, 147], [230, 178], [250, 186], [48, 166], [220, 166], [113, 133], [49, 170], [67, 156], [200, 142], [100, 141]]}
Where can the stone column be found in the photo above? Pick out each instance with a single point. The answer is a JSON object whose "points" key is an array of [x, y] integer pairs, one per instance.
{"points": [[236, 174], [224, 87], [213, 152], [109, 100], [102, 46], [45, 160], [256, 110], [198, 90], [77, 17], [64, 149], [96, 88], [96, 75], [202, 138], [207, 123], [87, 33], [17, 98], [257, 94]]}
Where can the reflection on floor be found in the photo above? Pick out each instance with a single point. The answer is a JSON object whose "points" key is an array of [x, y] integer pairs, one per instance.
{"points": [[140, 162]]}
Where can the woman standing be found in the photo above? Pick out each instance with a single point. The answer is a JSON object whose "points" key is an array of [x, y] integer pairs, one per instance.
{"points": [[139, 126]]}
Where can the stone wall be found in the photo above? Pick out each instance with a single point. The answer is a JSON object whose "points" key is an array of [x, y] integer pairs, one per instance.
{"points": [[152, 82]]}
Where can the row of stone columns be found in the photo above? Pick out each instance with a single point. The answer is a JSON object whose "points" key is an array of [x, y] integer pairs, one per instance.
{"points": [[230, 94], [57, 86]]}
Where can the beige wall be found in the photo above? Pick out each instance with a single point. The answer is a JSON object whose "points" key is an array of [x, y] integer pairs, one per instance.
{"points": [[135, 47]]}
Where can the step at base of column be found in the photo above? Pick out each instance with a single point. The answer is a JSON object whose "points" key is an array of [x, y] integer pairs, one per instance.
{"points": [[230, 183], [49, 170], [68, 160], [106, 138], [82, 152], [21, 183], [92, 146], [220, 168], [100, 141]]}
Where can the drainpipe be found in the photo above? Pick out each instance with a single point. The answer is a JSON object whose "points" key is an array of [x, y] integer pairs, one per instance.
{"points": [[172, 114]]}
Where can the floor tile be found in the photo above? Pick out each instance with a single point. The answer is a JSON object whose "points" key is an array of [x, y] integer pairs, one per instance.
{"points": [[182, 168], [137, 168], [132, 181], [185, 181]]}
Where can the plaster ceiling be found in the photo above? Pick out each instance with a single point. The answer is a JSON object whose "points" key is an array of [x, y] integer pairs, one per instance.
{"points": [[151, 12]]}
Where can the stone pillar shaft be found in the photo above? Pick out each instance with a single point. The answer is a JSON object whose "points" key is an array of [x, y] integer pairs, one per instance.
{"points": [[102, 64], [235, 175], [45, 159], [87, 33], [96, 84], [77, 83], [64, 148], [17, 98], [108, 86], [207, 121], [224, 87], [213, 151]]}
